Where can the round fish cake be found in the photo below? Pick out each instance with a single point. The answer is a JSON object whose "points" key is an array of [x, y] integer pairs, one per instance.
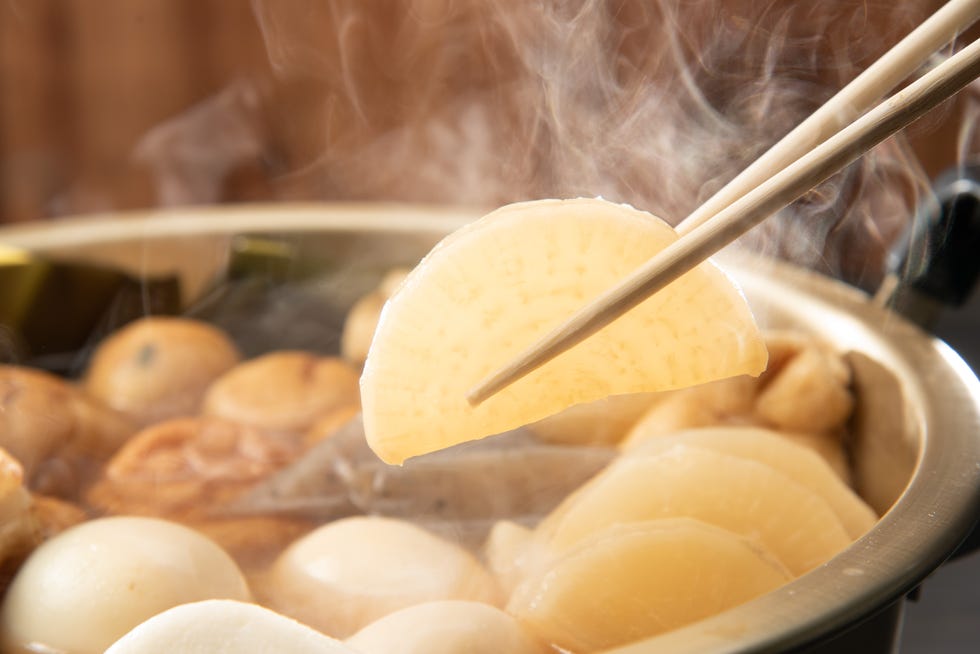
{"points": [[158, 368], [284, 391], [187, 469], [58, 434]]}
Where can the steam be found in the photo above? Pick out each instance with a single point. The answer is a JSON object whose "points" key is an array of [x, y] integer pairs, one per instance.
{"points": [[192, 155], [656, 103], [968, 143]]}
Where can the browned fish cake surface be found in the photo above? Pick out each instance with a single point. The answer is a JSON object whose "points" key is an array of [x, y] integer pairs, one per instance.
{"points": [[189, 469], [54, 515], [284, 391], [159, 368], [58, 434], [19, 528], [186, 467]]}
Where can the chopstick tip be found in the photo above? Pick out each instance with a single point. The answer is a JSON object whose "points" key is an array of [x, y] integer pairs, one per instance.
{"points": [[477, 395], [490, 386]]}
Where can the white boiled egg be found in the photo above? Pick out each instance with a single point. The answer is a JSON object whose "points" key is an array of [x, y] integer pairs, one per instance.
{"points": [[83, 589], [352, 571], [447, 627]]}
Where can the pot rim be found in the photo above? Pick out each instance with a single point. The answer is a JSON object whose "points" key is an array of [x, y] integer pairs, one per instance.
{"points": [[933, 515], [231, 219]]}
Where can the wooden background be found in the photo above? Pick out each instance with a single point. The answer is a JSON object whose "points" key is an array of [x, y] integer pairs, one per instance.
{"points": [[81, 82], [86, 84]]}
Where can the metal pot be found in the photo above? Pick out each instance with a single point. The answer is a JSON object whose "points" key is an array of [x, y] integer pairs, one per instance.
{"points": [[916, 430]]}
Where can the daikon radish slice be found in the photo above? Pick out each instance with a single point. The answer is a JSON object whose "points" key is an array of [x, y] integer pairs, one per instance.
{"points": [[797, 462], [738, 494], [494, 287], [507, 550], [638, 580]]}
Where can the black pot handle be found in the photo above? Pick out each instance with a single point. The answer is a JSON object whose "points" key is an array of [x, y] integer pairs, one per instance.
{"points": [[937, 262]]}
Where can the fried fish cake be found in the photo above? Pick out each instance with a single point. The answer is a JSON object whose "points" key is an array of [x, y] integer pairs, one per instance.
{"points": [[57, 433], [285, 391], [189, 470], [19, 527], [363, 317], [186, 466], [158, 368]]}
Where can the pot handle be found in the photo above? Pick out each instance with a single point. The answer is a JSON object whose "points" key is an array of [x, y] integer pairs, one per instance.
{"points": [[937, 261]]}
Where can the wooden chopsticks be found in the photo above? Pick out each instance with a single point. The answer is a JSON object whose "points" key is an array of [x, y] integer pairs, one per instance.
{"points": [[767, 194]]}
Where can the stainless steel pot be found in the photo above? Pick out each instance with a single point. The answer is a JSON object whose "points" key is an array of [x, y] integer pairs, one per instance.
{"points": [[916, 446]]}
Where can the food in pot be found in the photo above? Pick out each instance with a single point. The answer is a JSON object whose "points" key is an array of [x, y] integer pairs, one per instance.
{"points": [[158, 368], [727, 401], [782, 454], [506, 552], [446, 627], [830, 447], [283, 391], [187, 469], [807, 389], [518, 479], [58, 434], [630, 581], [271, 462], [511, 476], [82, 590], [492, 288], [804, 389], [18, 524], [54, 515], [804, 394], [214, 626], [352, 571], [362, 319], [315, 485], [186, 466], [739, 494], [601, 422], [491, 278], [329, 423]]}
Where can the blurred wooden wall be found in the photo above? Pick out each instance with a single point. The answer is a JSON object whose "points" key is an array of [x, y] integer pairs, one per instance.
{"points": [[82, 81], [84, 84]]}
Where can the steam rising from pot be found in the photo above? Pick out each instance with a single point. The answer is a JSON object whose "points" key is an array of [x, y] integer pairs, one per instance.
{"points": [[655, 103]]}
